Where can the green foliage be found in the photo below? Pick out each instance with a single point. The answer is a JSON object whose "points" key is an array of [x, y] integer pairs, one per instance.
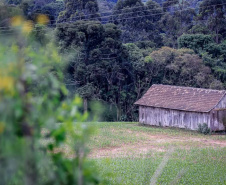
{"points": [[197, 42], [79, 10], [213, 13], [148, 59], [40, 34], [145, 44], [31, 8], [109, 114], [99, 69], [181, 67], [137, 21], [83, 34], [213, 54], [52, 9], [7, 12], [140, 74], [177, 20], [199, 29], [13, 2], [42, 138], [204, 129]]}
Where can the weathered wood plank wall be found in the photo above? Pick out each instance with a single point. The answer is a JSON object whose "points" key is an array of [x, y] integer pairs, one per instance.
{"points": [[218, 120], [218, 116], [172, 118]]}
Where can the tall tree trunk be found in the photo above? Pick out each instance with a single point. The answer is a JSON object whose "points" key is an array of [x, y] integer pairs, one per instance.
{"points": [[110, 107], [85, 104], [118, 113], [217, 35]]}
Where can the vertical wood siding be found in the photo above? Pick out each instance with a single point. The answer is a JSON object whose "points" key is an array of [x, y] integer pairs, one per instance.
{"points": [[219, 120], [218, 117], [172, 118]]}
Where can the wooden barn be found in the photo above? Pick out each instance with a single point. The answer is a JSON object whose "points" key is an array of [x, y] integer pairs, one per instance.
{"points": [[183, 107]]}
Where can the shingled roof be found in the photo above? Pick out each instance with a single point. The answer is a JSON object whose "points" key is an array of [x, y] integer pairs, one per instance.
{"points": [[181, 98]]}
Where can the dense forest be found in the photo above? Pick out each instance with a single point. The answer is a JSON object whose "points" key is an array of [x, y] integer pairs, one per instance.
{"points": [[116, 50]]}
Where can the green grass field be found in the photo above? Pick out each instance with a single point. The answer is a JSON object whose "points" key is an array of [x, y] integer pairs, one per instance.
{"points": [[126, 153]]}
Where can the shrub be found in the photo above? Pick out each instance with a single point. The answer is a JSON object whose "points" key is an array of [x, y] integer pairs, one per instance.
{"points": [[204, 129], [33, 101]]}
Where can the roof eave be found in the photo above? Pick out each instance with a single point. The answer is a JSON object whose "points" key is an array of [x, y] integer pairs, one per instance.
{"points": [[174, 108]]}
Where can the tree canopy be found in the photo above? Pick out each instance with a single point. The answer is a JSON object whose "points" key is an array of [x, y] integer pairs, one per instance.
{"points": [[115, 55]]}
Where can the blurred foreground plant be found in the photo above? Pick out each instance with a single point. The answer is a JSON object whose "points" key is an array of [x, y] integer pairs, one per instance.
{"points": [[32, 101]]}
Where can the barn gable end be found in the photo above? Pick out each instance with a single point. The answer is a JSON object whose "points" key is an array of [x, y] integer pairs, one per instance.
{"points": [[222, 103]]}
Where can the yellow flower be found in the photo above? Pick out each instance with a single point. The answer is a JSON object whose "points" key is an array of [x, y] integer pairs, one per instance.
{"points": [[77, 100], [2, 127], [7, 84], [42, 19], [17, 21], [27, 27]]}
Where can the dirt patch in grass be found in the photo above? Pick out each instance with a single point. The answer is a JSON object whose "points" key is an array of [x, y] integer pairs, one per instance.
{"points": [[173, 139], [126, 151], [209, 142], [153, 143]]}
